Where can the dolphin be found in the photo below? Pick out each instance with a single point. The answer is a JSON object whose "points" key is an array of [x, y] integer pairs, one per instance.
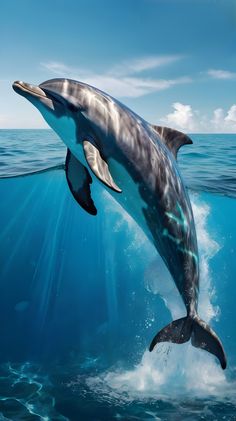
{"points": [[136, 163]]}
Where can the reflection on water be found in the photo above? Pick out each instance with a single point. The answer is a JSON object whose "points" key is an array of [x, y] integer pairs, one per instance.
{"points": [[25, 393]]}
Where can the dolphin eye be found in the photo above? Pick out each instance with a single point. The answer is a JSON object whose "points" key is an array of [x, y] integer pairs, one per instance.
{"points": [[72, 107]]}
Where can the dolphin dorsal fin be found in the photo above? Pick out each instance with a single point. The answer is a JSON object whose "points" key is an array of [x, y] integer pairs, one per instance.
{"points": [[98, 165], [173, 139], [79, 180]]}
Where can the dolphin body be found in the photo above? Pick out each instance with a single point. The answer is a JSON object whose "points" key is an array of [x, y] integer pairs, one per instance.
{"points": [[136, 162]]}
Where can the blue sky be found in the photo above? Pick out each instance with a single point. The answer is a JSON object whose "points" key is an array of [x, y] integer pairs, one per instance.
{"points": [[171, 61]]}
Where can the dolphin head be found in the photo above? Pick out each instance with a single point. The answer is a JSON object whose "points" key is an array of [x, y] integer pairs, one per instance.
{"points": [[59, 104], [59, 100], [38, 97]]}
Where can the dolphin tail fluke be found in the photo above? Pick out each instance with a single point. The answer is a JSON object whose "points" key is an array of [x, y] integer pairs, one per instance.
{"points": [[178, 332], [202, 336], [205, 338]]}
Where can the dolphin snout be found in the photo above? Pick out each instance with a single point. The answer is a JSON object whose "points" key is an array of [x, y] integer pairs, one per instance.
{"points": [[26, 88]]}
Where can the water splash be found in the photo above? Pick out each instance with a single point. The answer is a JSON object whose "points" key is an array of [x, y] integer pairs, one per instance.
{"points": [[173, 369]]}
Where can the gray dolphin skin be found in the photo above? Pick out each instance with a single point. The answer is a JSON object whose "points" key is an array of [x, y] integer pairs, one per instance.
{"points": [[136, 162]]}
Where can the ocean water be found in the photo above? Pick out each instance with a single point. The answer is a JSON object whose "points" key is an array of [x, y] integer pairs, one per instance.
{"points": [[82, 297]]}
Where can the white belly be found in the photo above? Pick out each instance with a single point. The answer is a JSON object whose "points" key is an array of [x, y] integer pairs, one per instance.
{"points": [[130, 198]]}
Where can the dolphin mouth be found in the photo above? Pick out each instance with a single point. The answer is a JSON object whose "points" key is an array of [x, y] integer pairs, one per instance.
{"points": [[25, 88]]}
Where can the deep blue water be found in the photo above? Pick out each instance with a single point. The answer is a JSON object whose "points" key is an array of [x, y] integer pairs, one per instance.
{"points": [[82, 296]]}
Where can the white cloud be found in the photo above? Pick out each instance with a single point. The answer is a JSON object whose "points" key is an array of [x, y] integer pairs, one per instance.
{"points": [[182, 117], [143, 64], [123, 80], [231, 114], [132, 86], [185, 118], [221, 74], [57, 68], [217, 119], [224, 121]]}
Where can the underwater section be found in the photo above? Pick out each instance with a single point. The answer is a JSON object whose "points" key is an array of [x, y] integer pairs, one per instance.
{"points": [[82, 297]]}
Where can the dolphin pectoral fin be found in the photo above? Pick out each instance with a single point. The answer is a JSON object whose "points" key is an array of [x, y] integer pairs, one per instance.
{"points": [[205, 338], [99, 166], [79, 180], [178, 332], [173, 139]]}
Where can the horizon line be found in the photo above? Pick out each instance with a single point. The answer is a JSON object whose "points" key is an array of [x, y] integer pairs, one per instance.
{"points": [[45, 128]]}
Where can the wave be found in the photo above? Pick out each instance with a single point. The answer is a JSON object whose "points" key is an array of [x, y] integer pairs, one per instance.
{"points": [[29, 173]]}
